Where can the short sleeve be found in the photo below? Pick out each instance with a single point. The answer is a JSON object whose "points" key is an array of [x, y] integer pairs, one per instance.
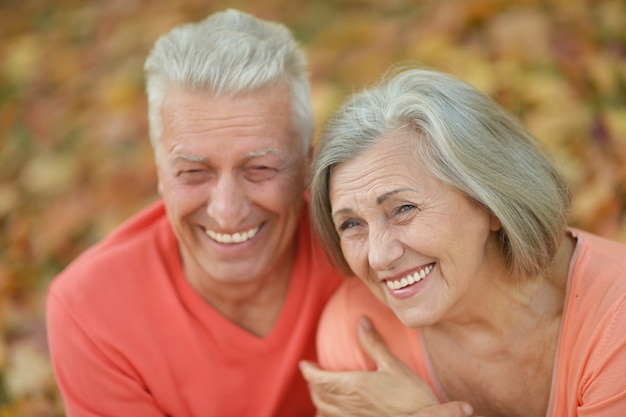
{"points": [[92, 383], [603, 387]]}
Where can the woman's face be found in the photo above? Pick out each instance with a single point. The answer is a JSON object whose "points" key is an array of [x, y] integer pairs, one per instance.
{"points": [[418, 243]]}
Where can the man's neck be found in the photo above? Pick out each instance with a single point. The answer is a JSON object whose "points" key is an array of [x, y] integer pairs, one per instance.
{"points": [[253, 305]]}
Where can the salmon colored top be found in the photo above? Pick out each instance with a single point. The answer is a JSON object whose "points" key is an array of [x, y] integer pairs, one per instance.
{"points": [[130, 337], [589, 377]]}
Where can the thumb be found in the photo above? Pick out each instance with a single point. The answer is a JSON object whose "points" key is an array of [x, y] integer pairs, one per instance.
{"points": [[374, 345], [451, 409]]}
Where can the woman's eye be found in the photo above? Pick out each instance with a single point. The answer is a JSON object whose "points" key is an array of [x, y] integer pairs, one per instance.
{"points": [[347, 225], [404, 208]]}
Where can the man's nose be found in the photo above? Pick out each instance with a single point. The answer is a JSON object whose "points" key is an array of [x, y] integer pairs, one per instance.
{"points": [[228, 202]]}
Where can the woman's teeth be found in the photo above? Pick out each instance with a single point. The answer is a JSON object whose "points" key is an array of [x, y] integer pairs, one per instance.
{"points": [[234, 238], [409, 279]]}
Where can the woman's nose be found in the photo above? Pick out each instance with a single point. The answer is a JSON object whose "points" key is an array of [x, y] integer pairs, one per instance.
{"points": [[385, 250]]}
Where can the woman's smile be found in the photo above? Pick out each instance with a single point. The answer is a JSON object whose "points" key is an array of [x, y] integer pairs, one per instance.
{"points": [[410, 278]]}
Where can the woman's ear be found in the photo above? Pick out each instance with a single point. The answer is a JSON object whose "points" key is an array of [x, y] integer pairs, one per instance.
{"points": [[494, 223]]}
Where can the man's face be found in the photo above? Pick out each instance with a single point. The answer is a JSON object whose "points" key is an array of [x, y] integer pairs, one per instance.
{"points": [[232, 175]]}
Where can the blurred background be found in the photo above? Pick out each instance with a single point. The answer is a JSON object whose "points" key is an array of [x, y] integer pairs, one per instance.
{"points": [[75, 159]]}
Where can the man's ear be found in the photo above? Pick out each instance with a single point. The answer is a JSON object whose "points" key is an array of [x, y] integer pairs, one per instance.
{"points": [[308, 171], [157, 160]]}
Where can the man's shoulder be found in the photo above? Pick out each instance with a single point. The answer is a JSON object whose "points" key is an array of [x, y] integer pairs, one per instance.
{"points": [[121, 254], [137, 226], [120, 285]]}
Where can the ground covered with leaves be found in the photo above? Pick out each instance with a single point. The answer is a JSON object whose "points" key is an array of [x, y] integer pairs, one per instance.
{"points": [[75, 159]]}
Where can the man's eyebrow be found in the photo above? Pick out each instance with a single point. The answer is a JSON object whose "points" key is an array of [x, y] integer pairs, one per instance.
{"points": [[204, 159], [388, 194], [190, 158], [261, 152]]}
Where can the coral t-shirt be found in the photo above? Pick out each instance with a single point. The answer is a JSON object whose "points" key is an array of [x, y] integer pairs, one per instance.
{"points": [[130, 337], [589, 377]]}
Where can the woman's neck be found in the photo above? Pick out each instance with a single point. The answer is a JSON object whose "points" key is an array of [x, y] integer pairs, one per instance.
{"points": [[499, 310]]}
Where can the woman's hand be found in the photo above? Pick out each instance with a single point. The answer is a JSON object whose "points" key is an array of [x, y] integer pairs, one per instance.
{"points": [[393, 389], [451, 409]]}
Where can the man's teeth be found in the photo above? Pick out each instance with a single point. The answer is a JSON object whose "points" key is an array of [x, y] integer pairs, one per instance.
{"points": [[409, 279], [234, 238]]}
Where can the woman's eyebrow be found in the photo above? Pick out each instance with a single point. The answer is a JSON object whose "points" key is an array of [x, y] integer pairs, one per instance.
{"points": [[342, 211], [388, 194], [379, 200]]}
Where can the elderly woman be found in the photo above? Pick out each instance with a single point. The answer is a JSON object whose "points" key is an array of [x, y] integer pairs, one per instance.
{"points": [[455, 220]]}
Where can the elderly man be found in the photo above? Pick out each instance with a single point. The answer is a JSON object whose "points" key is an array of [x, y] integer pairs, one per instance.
{"points": [[204, 303]]}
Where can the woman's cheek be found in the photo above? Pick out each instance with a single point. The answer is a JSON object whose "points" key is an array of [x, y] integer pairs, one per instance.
{"points": [[355, 254]]}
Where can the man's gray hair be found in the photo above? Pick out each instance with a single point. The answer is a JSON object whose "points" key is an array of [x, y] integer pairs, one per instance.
{"points": [[229, 53]]}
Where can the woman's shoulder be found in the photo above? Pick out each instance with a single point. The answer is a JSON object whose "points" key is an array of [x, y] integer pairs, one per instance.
{"points": [[592, 354], [600, 249], [598, 269], [596, 297], [338, 341], [354, 299]]}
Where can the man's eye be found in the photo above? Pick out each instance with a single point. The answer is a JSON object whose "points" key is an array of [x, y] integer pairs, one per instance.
{"points": [[190, 172], [262, 168], [193, 176], [261, 172]]}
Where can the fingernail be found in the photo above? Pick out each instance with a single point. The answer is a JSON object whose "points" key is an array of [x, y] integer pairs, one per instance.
{"points": [[365, 323], [467, 409]]}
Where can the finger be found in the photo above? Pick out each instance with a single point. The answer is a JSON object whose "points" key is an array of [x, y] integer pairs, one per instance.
{"points": [[323, 406], [328, 390], [331, 380], [374, 345], [312, 374], [307, 366], [310, 371], [451, 409]]}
